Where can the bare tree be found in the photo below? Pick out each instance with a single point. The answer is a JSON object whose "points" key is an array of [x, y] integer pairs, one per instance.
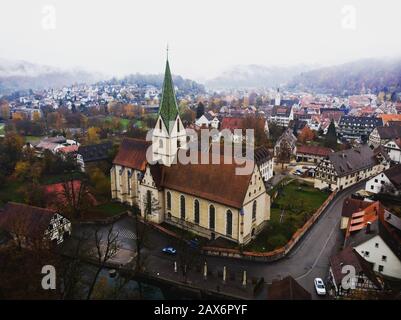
{"points": [[284, 153], [105, 249]]}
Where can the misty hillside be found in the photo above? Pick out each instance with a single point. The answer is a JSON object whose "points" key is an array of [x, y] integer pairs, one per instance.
{"points": [[22, 75], [352, 78], [250, 76]]}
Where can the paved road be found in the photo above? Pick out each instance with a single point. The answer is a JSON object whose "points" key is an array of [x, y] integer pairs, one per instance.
{"points": [[308, 260]]}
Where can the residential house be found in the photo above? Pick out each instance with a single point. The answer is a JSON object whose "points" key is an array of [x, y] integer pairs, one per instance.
{"points": [[29, 225], [287, 289], [384, 134], [375, 233], [365, 279], [388, 181], [352, 127], [265, 161], [282, 115], [207, 120], [312, 154], [344, 168], [351, 206], [287, 142], [93, 154]]}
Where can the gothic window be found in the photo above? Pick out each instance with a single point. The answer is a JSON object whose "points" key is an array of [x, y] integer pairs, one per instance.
{"points": [[182, 207], [229, 223], [254, 211], [212, 217], [178, 125], [196, 211], [160, 143], [160, 124], [168, 200]]}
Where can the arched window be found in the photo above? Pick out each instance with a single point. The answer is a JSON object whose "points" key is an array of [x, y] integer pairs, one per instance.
{"points": [[168, 200], [196, 211], [182, 207], [160, 125], [212, 217], [254, 211], [229, 223], [160, 143]]}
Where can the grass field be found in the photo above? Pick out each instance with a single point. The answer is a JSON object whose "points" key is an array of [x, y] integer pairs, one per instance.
{"points": [[108, 209], [294, 205], [124, 122]]}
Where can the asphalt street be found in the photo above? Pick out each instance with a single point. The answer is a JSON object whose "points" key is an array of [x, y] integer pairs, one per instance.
{"points": [[308, 260]]}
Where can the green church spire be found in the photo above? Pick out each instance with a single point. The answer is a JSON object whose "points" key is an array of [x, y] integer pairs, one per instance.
{"points": [[168, 109]]}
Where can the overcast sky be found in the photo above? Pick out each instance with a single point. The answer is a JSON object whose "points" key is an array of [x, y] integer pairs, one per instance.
{"points": [[205, 36]]}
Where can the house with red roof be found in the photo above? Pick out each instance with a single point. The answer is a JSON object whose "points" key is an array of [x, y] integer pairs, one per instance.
{"points": [[30, 225]]}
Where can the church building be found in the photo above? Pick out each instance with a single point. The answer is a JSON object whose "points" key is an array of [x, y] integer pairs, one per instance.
{"points": [[211, 200]]}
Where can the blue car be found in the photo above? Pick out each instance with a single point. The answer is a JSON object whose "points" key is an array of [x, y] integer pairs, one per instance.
{"points": [[169, 250]]}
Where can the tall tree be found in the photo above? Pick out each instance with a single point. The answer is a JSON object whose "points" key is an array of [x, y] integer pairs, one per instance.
{"points": [[200, 110], [331, 136]]}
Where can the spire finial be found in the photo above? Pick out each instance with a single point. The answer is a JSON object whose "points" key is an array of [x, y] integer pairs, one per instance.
{"points": [[167, 51]]}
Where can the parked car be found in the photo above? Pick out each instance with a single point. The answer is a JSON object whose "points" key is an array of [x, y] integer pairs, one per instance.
{"points": [[194, 243], [169, 250], [319, 287]]}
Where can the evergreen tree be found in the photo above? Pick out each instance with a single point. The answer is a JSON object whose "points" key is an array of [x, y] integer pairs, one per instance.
{"points": [[200, 110], [331, 136]]}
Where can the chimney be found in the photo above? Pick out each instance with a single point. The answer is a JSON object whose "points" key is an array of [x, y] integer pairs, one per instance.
{"points": [[368, 227]]}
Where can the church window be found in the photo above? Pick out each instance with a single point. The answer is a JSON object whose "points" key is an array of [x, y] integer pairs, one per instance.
{"points": [[196, 211], [160, 143], [229, 223], [182, 207], [168, 200], [254, 211], [212, 217], [160, 124], [178, 125]]}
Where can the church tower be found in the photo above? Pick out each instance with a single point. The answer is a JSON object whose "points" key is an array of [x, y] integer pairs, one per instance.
{"points": [[277, 100], [169, 134]]}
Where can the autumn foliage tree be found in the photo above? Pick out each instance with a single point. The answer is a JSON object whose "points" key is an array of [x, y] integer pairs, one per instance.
{"points": [[306, 135]]}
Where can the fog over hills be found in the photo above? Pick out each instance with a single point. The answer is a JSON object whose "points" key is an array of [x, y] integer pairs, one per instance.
{"points": [[23, 75], [365, 75], [248, 76]]}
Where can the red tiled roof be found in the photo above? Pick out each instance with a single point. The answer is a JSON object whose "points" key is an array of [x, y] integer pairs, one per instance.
{"points": [[232, 123], [69, 149], [132, 153], [314, 150], [215, 182], [25, 220], [351, 205], [56, 193]]}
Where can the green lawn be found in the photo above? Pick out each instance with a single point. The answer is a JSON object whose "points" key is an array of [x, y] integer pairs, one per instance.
{"points": [[2, 129], [109, 209], [33, 139], [294, 205], [124, 122]]}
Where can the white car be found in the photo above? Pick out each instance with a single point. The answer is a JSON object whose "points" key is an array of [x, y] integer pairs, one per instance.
{"points": [[319, 286]]}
